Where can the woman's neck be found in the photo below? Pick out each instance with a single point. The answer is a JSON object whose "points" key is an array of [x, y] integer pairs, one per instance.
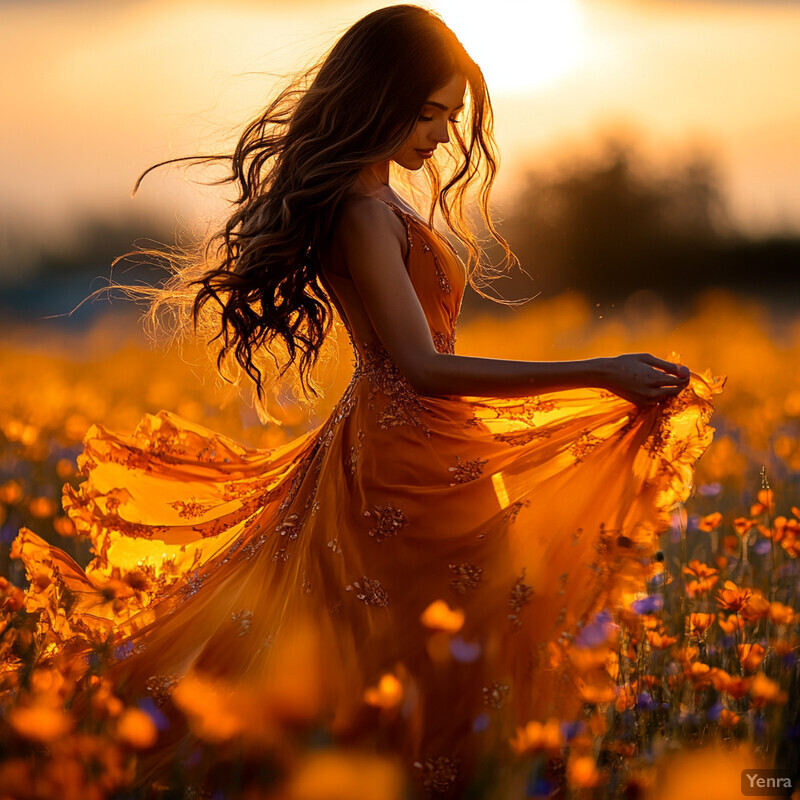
{"points": [[374, 179]]}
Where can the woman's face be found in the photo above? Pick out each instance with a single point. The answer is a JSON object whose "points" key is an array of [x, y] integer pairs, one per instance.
{"points": [[433, 124]]}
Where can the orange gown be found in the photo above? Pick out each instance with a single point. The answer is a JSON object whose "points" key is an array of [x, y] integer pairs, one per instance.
{"points": [[526, 517]]}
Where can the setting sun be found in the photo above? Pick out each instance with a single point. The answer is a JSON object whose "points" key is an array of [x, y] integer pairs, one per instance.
{"points": [[518, 45]]}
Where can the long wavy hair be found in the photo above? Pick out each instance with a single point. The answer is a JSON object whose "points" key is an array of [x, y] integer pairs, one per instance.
{"points": [[254, 283]]}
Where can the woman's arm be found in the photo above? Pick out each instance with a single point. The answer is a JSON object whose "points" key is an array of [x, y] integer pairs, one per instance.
{"points": [[370, 236]]}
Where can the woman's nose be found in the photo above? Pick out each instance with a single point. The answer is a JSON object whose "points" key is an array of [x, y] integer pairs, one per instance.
{"points": [[442, 133]]}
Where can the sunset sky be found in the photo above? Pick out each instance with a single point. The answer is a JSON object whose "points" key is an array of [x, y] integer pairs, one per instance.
{"points": [[94, 92]]}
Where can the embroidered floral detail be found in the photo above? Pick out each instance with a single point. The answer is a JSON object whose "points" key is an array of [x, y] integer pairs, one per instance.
{"points": [[584, 446], [281, 555], [519, 438], [252, 546], [335, 607], [346, 402], [494, 694], [138, 529], [334, 546], [290, 527], [160, 686], [294, 486], [536, 404], [389, 521], [164, 446], [468, 576], [371, 592], [520, 596], [306, 584], [438, 774], [562, 579], [444, 284], [355, 450], [245, 619], [188, 509], [510, 514], [444, 343], [403, 403], [192, 585], [466, 471]]}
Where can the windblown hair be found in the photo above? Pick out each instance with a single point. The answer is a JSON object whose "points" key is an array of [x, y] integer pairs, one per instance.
{"points": [[292, 167]]}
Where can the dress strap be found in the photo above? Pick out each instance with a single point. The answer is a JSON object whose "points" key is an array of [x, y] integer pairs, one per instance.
{"points": [[403, 212]]}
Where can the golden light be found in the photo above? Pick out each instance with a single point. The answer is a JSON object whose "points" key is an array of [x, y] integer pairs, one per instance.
{"points": [[519, 44]]}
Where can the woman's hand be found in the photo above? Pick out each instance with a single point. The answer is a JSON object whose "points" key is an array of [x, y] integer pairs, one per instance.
{"points": [[643, 379]]}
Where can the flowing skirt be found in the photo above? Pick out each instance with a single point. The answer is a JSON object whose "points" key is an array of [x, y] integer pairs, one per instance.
{"points": [[425, 565]]}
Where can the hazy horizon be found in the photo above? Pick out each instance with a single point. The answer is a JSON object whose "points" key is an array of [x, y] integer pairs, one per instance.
{"points": [[101, 91]]}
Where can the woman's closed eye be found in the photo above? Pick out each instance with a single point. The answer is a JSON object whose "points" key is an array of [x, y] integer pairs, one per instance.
{"points": [[430, 119]]}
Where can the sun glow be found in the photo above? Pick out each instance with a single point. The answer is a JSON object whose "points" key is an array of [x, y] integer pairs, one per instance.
{"points": [[519, 44]]}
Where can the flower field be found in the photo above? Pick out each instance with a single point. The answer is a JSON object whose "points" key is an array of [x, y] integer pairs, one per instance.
{"points": [[683, 687]]}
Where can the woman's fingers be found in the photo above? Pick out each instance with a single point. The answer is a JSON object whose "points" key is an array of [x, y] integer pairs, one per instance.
{"points": [[668, 366], [668, 380]]}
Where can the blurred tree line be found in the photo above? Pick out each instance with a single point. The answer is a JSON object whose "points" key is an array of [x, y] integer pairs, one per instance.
{"points": [[610, 227], [607, 227]]}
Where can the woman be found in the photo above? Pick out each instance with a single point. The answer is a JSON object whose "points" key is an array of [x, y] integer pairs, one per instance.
{"points": [[455, 521]]}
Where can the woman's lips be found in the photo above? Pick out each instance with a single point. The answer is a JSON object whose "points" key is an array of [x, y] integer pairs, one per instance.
{"points": [[425, 153]]}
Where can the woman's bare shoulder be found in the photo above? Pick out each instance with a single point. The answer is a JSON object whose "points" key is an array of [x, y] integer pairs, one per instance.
{"points": [[362, 215]]}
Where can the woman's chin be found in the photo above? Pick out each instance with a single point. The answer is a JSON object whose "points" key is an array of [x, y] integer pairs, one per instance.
{"points": [[412, 163]]}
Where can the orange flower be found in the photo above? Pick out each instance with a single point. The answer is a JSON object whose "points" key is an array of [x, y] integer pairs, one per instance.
{"points": [[719, 678], [781, 614], [730, 544], [783, 647], [387, 694], [11, 492], [136, 728], [699, 674], [699, 569], [337, 773], [723, 682], [587, 659], [697, 588], [42, 507], [64, 526], [742, 525], [687, 654], [710, 522], [440, 617], [757, 607], [660, 640], [44, 720], [751, 655], [582, 772], [699, 624], [733, 623], [732, 597], [766, 502], [781, 527], [597, 689], [737, 688], [626, 698], [727, 719], [791, 544], [537, 736], [764, 691]]}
